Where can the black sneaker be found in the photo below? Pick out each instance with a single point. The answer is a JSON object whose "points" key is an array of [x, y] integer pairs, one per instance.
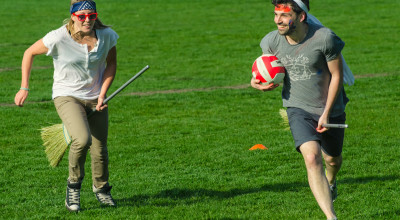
{"points": [[72, 200], [103, 195]]}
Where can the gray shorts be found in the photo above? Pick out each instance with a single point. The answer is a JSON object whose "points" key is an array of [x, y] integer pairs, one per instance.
{"points": [[303, 127]]}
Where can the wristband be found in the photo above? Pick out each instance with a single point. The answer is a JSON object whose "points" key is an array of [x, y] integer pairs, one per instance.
{"points": [[22, 88]]}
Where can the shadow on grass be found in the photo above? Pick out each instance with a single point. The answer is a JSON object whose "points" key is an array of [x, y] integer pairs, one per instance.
{"points": [[367, 179], [189, 196], [176, 196]]}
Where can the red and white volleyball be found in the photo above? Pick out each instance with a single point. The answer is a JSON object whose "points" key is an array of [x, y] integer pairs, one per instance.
{"points": [[268, 69]]}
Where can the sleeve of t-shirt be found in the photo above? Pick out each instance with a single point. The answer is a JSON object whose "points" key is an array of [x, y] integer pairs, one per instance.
{"points": [[50, 40], [113, 37], [333, 46], [268, 43]]}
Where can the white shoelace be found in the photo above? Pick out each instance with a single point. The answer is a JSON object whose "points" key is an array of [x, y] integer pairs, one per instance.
{"points": [[73, 196], [105, 198]]}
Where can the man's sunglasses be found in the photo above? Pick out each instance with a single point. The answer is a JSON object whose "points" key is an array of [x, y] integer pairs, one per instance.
{"points": [[82, 17]]}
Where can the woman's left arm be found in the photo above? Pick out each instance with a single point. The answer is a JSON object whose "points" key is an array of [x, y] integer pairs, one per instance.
{"points": [[335, 86], [108, 77]]}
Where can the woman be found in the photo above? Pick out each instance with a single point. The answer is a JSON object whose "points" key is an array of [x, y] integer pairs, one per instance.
{"points": [[85, 63]]}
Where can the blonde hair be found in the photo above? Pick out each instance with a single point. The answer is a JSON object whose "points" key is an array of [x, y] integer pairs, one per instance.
{"points": [[70, 23]]}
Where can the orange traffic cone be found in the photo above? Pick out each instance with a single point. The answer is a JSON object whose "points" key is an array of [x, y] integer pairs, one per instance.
{"points": [[258, 146]]}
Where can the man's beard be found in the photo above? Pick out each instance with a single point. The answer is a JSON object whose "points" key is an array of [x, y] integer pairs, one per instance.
{"points": [[289, 31]]}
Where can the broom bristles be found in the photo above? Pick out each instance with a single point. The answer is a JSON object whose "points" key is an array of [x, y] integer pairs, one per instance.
{"points": [[54, 143], [285, 120]]}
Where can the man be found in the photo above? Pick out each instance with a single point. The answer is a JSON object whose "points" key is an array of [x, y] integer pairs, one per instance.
{"points": [[312, 93]]}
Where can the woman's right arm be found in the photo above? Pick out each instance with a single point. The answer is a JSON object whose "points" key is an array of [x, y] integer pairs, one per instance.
{"points": [[36, 49]]}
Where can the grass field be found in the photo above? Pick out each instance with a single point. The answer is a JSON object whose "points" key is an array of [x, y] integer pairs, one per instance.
{"points": [[179, 136]]}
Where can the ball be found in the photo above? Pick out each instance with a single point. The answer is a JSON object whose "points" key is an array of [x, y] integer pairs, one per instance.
{"points": [[268, 69]]}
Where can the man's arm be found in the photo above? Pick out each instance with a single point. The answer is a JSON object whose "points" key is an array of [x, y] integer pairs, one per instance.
{"points": [[336, 69]]}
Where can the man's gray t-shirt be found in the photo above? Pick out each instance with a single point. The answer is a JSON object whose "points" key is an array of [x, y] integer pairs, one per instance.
{"points": [[307, 77]]}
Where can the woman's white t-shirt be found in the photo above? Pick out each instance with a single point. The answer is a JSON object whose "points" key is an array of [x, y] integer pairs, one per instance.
{"points": [[77, 71]]}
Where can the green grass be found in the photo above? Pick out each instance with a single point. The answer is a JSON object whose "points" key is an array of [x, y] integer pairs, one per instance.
{"points": [[184, 155]]}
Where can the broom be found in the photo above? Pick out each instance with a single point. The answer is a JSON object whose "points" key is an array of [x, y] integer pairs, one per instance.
{"points": [[56, 139], [285, 122]]}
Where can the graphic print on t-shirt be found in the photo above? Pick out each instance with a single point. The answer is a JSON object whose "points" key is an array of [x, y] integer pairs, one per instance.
{"points": [[297, 67]]}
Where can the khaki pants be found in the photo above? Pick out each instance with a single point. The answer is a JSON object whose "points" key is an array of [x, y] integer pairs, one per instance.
{"points": [[86, 133]]}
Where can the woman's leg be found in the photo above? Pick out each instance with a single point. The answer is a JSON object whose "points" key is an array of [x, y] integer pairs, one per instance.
{"points": [[73, 114], [98, 123]]}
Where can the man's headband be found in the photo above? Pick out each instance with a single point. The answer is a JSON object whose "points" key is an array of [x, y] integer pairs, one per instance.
{"points": [[301, 5], [285, 8], [84, 5]]}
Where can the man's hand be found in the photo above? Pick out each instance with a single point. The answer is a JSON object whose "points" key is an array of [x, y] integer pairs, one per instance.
{"points": [[255, 83], [322, 120]]}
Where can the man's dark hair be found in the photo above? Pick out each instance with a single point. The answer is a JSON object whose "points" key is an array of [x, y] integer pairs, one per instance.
{"points": [[294, 5]]}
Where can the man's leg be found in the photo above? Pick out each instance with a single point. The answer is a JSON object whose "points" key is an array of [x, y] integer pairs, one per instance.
{"points": [[311, 152], [332, 144], [332, 165]]}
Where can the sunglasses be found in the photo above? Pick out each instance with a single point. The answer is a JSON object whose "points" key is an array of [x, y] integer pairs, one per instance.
{"points": [[82, 17]]}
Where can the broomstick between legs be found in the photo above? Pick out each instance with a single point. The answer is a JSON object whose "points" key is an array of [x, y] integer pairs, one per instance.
{"points": [[285, 122], [56, 139]]}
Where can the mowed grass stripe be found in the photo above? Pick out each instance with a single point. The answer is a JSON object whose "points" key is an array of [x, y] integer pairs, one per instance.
{"points": [[174, 91]]}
